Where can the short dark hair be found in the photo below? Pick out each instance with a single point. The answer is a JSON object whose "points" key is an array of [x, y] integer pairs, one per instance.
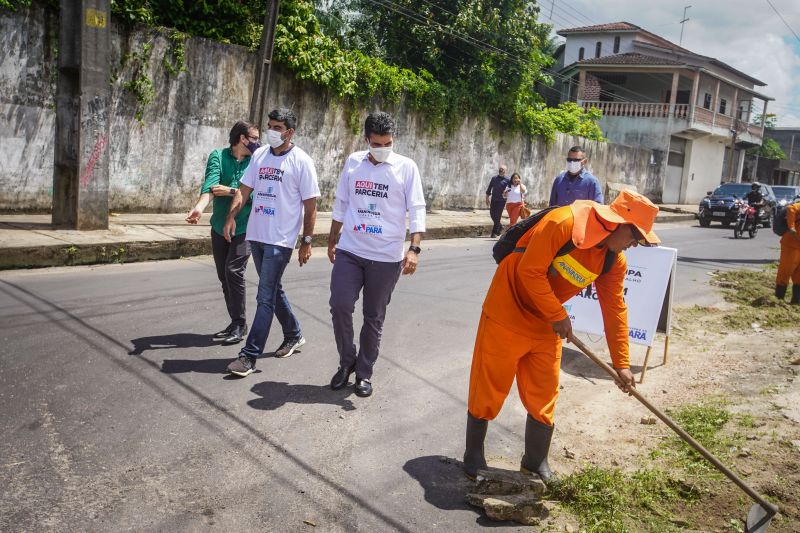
{"points": [[577, 149], [380, 123], [242, 127], [284, 115]]}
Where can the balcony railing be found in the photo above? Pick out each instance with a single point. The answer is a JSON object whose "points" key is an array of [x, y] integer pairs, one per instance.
{"points": [[636, 109], [680, 111]]}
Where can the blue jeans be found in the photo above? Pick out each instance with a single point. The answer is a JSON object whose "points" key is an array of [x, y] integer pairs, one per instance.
{"points": [[270, 262]]}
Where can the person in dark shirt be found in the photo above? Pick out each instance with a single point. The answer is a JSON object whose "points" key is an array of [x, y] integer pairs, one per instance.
{"points": [[495, 199], [756, 199]]}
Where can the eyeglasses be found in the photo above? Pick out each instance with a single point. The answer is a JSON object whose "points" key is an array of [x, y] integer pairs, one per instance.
{"points": [[253, 137], [574, 160]]}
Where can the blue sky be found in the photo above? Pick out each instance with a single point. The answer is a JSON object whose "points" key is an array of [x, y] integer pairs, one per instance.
{"points": [[746, 34]]}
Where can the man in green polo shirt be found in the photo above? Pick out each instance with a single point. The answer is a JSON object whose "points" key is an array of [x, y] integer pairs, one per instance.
{"points": [[224, 169]]}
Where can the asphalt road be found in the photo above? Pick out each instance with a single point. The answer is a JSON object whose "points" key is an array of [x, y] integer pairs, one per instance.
{"points": [[117, 414]]}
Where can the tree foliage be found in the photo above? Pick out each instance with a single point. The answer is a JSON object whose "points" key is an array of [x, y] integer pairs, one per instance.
{"points": [[444, 59], [769, 149]]}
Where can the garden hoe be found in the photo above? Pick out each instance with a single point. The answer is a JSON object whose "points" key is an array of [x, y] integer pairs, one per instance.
{"points": [[760, 514]]}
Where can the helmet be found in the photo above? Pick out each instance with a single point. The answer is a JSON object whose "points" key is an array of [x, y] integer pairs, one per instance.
{"points": [[755, 185]]}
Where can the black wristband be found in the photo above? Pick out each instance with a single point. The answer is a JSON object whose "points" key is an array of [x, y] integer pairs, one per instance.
{"points": [[416, 249]]}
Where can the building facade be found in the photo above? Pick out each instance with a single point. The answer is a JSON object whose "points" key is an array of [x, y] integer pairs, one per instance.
{"points": [[694, 112]]}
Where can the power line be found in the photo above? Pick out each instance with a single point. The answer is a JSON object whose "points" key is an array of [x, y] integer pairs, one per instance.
{"points": [[783, 19]]}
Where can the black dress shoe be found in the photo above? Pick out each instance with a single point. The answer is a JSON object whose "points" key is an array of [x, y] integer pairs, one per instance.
{"points": [[225, 333], [237, 335], [341, 377], [363, 388]]}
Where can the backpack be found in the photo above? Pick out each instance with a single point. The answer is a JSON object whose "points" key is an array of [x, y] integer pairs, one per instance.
{"points": [[507, 243], [779, 225]]}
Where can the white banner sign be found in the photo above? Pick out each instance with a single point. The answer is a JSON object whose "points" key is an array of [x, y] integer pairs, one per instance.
{"points": [[649, 272]]}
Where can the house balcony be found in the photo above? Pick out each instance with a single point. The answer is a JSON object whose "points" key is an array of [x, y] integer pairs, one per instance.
{"points": [[684, 118]]}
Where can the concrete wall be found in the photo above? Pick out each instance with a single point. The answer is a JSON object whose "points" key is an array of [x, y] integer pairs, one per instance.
{"points": [[157, 165], [589, 42], [701, 168]]}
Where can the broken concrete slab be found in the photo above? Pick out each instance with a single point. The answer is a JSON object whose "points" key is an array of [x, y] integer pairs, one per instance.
{"points": [[524, 508], [491, 481]]}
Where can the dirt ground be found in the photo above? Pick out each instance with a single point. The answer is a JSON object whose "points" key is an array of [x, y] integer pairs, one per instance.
{"points": [[749, 371]]}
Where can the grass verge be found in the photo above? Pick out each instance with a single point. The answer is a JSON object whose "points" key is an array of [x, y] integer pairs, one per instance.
{"points": [[754, 293], [613, 501]]}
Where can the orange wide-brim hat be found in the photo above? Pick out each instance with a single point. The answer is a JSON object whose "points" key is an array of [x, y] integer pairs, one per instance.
{"points": [[632, 208]]}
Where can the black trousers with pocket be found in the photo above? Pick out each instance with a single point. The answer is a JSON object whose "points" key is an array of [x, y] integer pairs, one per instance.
{"points": [[230, 259]]}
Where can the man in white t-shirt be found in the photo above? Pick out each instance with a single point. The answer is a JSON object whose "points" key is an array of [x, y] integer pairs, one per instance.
{"points": [[377, 188], [283, 183]]}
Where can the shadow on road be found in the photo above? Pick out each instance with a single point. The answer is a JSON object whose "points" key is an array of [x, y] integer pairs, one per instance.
{"points": [[446, 486], [173, 340], [442, 479], [202, 366], [275, 394]]}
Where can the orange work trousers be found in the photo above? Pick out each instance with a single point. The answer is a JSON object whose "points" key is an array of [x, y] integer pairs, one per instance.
{"points": [[789, 267], [501, 355]]}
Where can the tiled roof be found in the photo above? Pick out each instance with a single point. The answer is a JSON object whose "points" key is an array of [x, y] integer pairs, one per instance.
{"points": [[611, 26], [631, 58]]}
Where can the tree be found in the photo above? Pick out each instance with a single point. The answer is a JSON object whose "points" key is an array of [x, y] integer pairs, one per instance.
{"points": [[770, 122], [492, 52], [768, 150]]}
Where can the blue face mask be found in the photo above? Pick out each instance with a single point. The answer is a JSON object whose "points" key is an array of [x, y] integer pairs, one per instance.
{"points": [[253, 146]]}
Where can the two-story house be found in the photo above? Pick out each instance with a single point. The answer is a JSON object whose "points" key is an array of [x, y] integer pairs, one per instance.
{"points": [[695, 112]]}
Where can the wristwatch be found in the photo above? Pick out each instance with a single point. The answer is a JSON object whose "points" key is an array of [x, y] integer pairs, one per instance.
{"points": [[307, 239], [416, 249]]}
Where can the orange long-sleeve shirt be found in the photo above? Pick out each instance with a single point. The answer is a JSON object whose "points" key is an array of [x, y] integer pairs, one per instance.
{"points": [[526, 294], [789, 239]]}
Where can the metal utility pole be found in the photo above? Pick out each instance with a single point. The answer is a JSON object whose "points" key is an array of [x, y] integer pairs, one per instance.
{"points": [[683, 23], [258, 104], [83, 98]]}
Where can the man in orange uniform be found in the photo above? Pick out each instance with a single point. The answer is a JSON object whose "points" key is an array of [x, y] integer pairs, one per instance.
{"points": [[789, 267], [523, 319]]}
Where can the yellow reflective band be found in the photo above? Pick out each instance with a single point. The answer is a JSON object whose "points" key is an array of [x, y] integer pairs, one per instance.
{"points": [[572, 271]]}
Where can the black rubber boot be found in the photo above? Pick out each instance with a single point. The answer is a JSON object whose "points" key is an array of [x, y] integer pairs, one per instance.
{"points": [[474, 459], [780, 291], [537, 446], [795, 294]]}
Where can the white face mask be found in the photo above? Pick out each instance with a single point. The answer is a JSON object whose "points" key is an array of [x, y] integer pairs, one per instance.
{"points": [[274, 138], [380, 154], [573, 167]]}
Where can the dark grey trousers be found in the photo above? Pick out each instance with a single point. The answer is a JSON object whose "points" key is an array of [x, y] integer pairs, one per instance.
{"points": [[496, 212], [230, 259], [378, 279]]}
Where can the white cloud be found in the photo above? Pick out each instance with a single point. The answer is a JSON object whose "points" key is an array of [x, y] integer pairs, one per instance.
{"points": [[746, 34]]}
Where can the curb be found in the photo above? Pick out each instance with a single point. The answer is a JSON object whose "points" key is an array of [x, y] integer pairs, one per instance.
{"points": [[136, 251]]}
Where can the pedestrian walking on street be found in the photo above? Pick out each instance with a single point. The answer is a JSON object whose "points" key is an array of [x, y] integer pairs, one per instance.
{"points": [[789, 265], [224, 169], [283, 183], [515, 198], [377, 189], [523, 319], [495, 199], [575, 183]]}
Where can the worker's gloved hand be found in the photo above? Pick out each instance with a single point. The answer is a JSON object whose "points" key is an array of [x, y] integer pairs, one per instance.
{"points": [[626, 378], [563, 327]]}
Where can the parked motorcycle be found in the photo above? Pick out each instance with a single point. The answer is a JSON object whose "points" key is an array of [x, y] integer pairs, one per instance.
{"points": [[745, 220]]}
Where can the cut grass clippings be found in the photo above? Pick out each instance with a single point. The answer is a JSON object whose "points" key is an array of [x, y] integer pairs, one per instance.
{"points": [[754, 293], [613, 501]]}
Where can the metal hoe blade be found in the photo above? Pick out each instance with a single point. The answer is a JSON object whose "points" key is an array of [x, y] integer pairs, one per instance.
{"points": [[758, 519]]}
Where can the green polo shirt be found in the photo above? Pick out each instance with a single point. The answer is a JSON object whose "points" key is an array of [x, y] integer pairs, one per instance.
{"points": [[223, 169]]}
